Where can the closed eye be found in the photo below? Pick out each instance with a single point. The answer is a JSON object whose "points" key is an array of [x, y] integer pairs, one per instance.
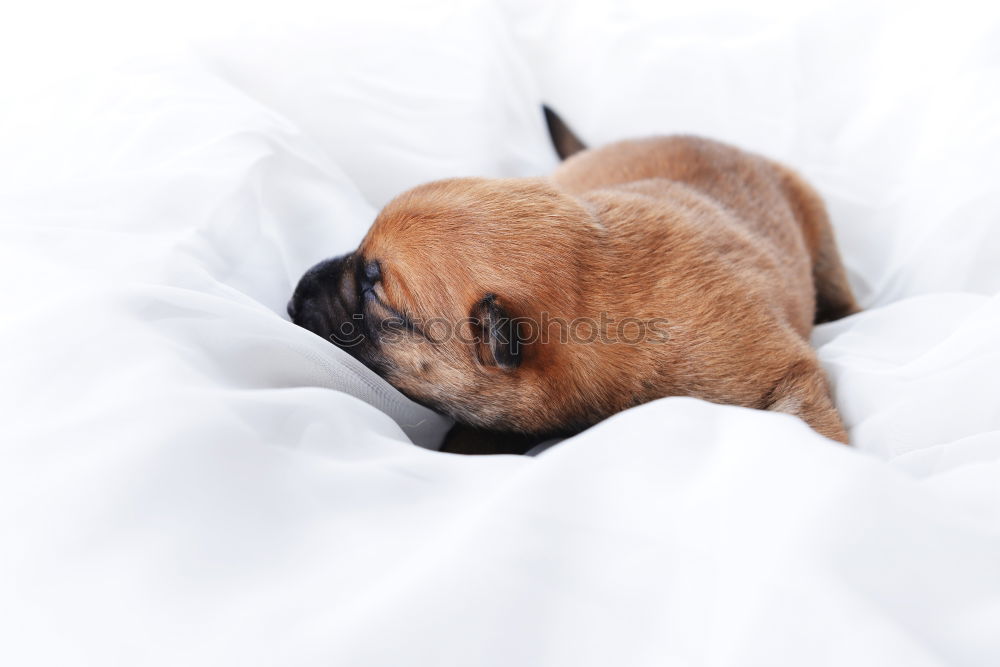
{"points": [[398, 320]]}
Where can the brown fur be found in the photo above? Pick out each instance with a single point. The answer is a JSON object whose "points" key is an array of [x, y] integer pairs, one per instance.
{"points": [[734, 251]]}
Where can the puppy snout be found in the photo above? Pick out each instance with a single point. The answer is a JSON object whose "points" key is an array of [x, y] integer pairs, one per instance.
{"points": [[329, 301], [318, 302]]}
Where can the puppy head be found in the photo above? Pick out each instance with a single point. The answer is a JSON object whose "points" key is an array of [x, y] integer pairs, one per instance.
{"points": [[444, 296]]}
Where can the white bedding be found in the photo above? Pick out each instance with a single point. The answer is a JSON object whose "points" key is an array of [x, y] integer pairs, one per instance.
{"points": [[187, 478]]}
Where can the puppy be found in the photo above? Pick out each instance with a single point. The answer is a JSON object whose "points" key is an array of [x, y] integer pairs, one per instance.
{"points": [[530, 308]]}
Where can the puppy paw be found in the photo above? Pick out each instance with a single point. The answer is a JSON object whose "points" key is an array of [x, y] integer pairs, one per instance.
{"points": [[803, 391]]}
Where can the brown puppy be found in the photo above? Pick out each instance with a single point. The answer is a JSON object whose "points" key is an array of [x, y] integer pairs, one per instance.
{"points": [[535, 307]]}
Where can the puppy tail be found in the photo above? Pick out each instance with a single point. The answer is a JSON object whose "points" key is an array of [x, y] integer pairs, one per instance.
{"points": [[834, 298], [564, 140]]}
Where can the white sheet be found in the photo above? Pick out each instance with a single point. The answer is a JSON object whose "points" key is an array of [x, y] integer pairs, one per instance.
{"points": [[187, 478]]}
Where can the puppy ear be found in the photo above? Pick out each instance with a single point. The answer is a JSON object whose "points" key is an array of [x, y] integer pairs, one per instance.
{"points": [[497, 342], [564, 140]]}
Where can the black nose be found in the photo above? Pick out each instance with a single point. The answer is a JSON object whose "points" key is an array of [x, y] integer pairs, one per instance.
{"points": [[325, 296]]}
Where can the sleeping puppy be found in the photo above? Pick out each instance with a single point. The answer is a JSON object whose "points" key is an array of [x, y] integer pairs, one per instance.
{"points": [[530, 308]]}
